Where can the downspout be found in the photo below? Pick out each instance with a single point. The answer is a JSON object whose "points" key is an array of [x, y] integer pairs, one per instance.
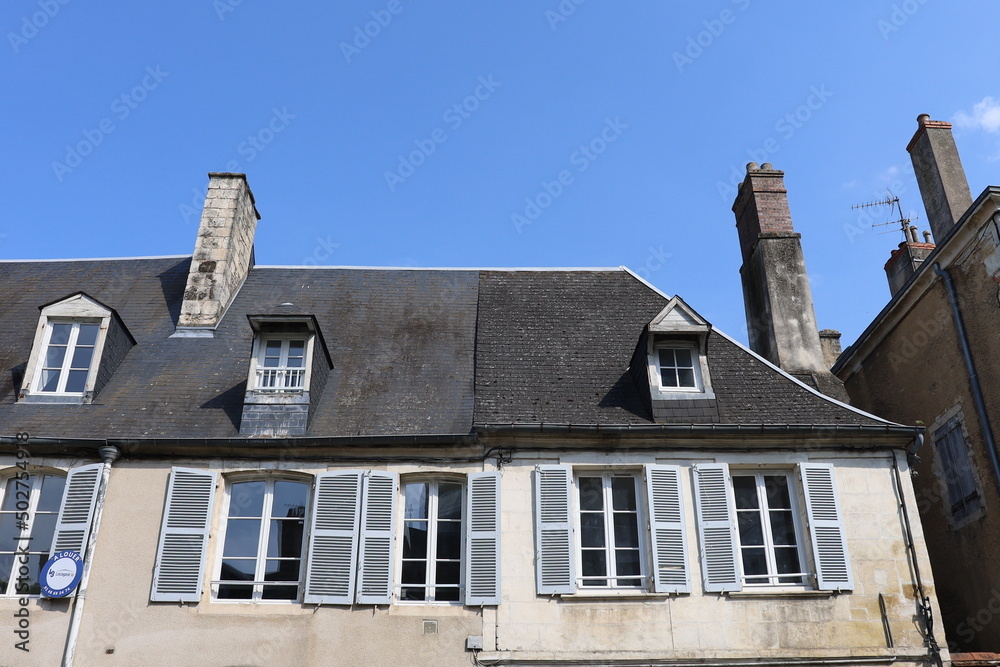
{"points": [[108, 455], [977, 390]]}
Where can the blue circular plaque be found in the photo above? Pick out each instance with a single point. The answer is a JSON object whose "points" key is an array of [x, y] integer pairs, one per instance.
{"points": [[61, 574]]}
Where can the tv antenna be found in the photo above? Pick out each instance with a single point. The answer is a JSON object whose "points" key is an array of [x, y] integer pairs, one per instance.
{"points": [[890, 201]]}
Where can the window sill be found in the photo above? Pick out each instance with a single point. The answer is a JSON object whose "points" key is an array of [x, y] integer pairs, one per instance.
{"points": [[612, 595], [64, 399], [780, 593]]}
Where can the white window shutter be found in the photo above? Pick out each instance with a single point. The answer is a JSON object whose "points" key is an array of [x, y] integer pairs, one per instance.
{"points": [[187, 520], [826, 529], [378, 521], [720, 559], [666, 528], [482, 540], [76, 511], [555, 569], [333, 538]]}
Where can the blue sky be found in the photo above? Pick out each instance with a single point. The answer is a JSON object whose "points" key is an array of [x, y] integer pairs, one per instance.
{"points": [[406, 133]]}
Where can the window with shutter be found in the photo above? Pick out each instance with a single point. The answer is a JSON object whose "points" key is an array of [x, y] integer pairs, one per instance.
{"points": [[555, 571], [720, 564], [377, 537], [829, 541], [29, 513], [333, 540], [482, 554], [180, 555], [668, 535]]}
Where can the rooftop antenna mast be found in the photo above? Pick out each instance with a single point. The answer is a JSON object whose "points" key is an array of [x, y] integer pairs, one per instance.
{"points": [[891, 200]]}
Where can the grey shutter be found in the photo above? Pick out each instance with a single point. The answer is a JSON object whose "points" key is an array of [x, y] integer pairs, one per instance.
{"points": [[720, 560], [666, 529], [833, 566], [555, 570], [482, 540], [187, 519], [378, 521], [76, 511], [333, 538]]}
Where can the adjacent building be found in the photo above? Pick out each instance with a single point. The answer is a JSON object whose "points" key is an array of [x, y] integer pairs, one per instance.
{"points": [[269, 465]]}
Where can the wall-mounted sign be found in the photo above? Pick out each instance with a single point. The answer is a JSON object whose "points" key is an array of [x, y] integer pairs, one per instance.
{"points": [[61, 574]]}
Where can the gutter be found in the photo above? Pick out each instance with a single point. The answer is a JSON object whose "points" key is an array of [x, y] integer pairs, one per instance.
{"points": [[970, 366], [701, 429], [108, 455]]}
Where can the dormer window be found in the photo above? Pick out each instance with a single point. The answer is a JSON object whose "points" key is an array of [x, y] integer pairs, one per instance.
{"points": [[679, 368], [78, 344], [281, 365]]}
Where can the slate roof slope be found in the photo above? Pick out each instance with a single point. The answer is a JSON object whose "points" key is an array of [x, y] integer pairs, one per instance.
{"points": [[415, 352]]}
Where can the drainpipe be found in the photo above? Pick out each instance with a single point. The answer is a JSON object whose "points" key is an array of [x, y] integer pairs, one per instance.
{"points": [[977, 390], [108, 455]]}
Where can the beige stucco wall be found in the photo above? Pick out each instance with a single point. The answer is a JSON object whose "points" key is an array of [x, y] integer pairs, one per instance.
{"points": [[120, 618]]}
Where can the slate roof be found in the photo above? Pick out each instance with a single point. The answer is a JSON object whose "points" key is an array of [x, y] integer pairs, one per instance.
{"points": [[415, 352]]}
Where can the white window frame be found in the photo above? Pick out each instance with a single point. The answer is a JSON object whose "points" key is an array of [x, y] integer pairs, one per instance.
{"points": [[29, 514], [699, 386], [66, 367], [257, 362], [261, 558], [433, 483], [641, 502], [798, 521], [77, 309], [703, 384]]}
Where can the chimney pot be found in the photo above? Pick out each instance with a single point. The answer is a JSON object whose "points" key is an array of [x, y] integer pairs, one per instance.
{"points": [[767, 165], [927, 236], [751, 166]]}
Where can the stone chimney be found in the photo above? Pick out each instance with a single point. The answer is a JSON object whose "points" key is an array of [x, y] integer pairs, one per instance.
{"points": [[907, 258], [829, 342], [939, 173], [780, 318], [223, 254]]}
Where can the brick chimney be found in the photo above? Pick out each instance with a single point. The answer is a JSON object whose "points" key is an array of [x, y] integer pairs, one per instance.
{"points": [[907, 258], [780, 318], [223, 254], [939, 173]]}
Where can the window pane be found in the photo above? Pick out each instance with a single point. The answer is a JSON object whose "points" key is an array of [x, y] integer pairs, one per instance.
{"points": [[745, 490], [416, 501], [626, 531], [595, 563], [447, 594], [751, 530], [448, 573], [271, 362], [415, 539], [627, 561], [6, 563], [450, 501], [623, 494], [238, 569], [272, 348], [60, 334], [230, 592], [591, 493], [87, 334], [776, 489], [10, 493], [242, 538], [667, 358], [754, 562], [449, 539], [50, 380], [668, 377], [9, 532], [295, 362], [782, 527], [685, 377], [52, 492], [246, 499], [786, 559], [42, 528], [414, 572], [76, 382], [284, 539], [280, 593], [29, 585], [289, 499], [281, 570], [413, 593], [591, 529], [683, 357], [82, 357], [54, 356]]}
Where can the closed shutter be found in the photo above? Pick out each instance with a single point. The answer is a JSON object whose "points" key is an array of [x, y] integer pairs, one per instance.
{"points": [[833, 566], [333, 538], [720, 563], [482, 540], [378, 521], [76, 511], [187, 519], [666, 530], [555, 570]]}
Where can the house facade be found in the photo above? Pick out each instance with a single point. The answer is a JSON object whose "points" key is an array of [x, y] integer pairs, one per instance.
{"points": [[932, 357], [268, 465]]}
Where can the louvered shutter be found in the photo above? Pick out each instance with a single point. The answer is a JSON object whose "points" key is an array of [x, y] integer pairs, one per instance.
{"points": [[829, 542], [666, 529], [482, 540], [76, 511], [333, 538], [720, 561], [378, 520], [187, 519], [555, 570]]}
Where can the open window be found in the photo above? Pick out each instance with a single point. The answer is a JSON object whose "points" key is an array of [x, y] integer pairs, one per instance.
{"points": [[78, 344]]}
